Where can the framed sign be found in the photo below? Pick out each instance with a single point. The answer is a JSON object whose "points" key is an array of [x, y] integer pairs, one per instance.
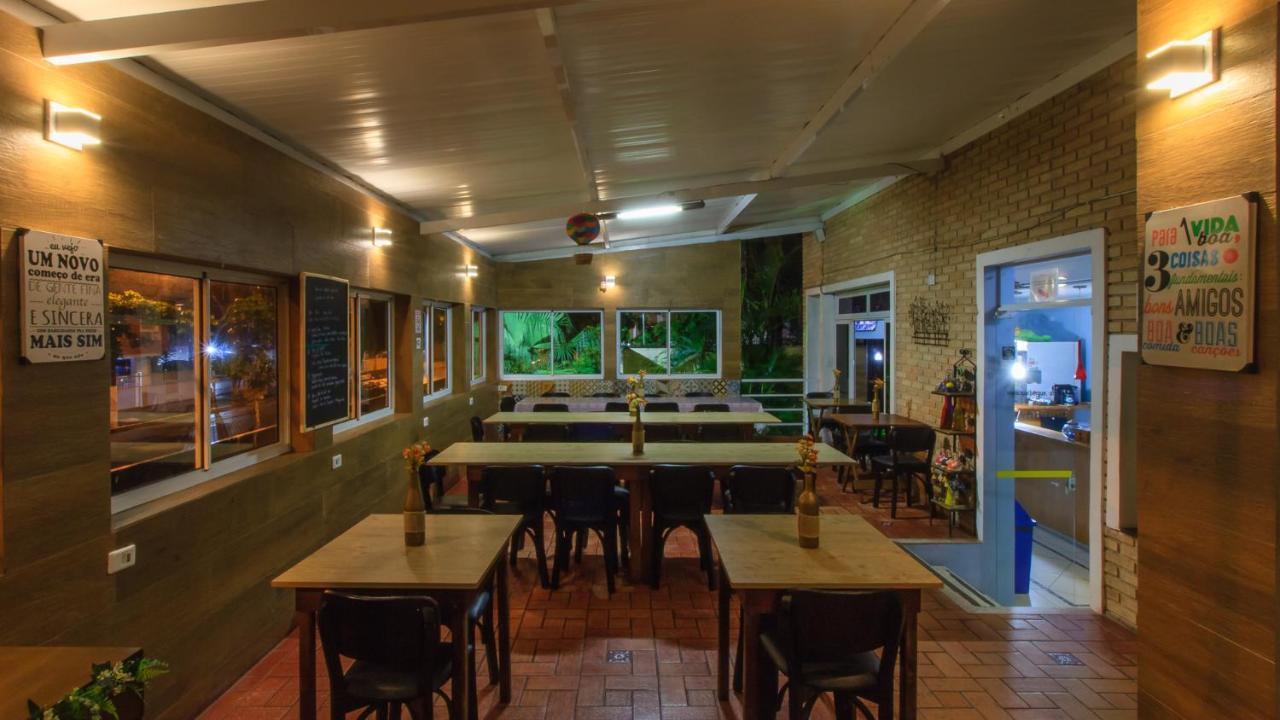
{"points": [[62, 279], [1198, 285], [326, 362]]}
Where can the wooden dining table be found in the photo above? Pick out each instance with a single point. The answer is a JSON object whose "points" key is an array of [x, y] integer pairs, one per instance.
{"points": [[632, 469], [518, 421], [855, 423], [462, 554], [47, 673], [761, 559]]}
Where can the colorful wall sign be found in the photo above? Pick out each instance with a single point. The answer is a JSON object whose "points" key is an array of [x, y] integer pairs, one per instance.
{"points": [[62, 280], [1198, 285]]}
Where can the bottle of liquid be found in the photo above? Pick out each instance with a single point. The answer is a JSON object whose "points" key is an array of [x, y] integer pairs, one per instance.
{"points": [[807, 517], [415, 512]]}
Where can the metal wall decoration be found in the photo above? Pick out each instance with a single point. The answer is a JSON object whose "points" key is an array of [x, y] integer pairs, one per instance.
{"points": [[930, 321]]}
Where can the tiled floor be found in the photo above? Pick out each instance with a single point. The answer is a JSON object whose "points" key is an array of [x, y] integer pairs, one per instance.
{"points": [[1056, 581], [980, 666]]}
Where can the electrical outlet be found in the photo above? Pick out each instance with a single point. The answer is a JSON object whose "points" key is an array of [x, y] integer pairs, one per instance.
{"points": [[426, 421], [931, 279], [471, 400], [337, 461], [121, 558]]}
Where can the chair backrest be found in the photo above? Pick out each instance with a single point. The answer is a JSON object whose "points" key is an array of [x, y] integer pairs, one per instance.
{"points": [[545, 432], [662, 407], [477, 429], [856, 409], [683, 489], [711, 407], [904, 440], [604, 394], [584, 494], [759, 490], [521, 486], [550, 407], [616, 407], [591, 432], [507, 404], [395, 631], [429, 475], [555, 393], [826, 626], [818, 395], [699, 394]]}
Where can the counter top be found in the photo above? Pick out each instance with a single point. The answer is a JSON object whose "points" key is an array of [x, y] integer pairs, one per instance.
{"points": [[1047, 434]]}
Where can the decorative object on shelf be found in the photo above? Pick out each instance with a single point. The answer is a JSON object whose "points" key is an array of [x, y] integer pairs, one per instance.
{"points": [[415, 508], [115, 691], [582, 228], [930, 321], [877, 391], [835, 384], [807, 517]]}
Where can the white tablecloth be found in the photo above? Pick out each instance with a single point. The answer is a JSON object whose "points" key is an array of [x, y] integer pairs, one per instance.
{"points": [[593, 404]]}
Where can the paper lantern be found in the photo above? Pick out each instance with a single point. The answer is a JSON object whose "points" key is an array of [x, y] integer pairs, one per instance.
{"points": [[582, 228]]}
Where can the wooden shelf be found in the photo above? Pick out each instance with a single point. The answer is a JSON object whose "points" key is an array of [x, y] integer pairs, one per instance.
{"points": [[957, 471]]}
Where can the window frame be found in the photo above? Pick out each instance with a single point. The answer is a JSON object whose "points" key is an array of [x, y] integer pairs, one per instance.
{"points": [[359, 419], [502, 374], [207, 469], [617, 344], [427, 348], [483, 315]]}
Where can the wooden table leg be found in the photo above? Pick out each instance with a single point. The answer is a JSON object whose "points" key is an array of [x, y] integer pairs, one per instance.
{"points": [[908, 652], [722, 639], [306, 603], [504, 632], [760, 677], [460, 629], [638, 483], [517, 432]]}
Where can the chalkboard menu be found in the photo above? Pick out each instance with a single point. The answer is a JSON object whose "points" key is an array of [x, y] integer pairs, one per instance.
{"points": [[326, 363]]}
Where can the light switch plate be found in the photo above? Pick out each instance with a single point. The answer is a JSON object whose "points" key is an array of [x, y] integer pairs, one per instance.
{"points": [[121, 558], [471, 400], [426, 421], [337, 461]]}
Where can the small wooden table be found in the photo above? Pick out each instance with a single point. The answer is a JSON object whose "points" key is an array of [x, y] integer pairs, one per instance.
{"points": [[633, 469], [760, 559], [517, 421], [866, 421], [461, 553], [47, 673]]}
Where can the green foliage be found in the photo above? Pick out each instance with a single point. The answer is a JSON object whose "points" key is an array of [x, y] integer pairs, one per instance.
{"points": [[131, 308], [96, 700], [693, 343], [244, 343], [545, 343], [526, 343], [577, 343], [772, 308]]}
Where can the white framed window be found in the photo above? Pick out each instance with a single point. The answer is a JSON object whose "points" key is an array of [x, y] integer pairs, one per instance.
{"points": [[197, 371], [546, 344], [670, 343], [372, 358], [479, 345], [437, 351]]}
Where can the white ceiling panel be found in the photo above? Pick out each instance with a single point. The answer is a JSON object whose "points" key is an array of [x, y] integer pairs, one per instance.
{"points": [[99, 9]]}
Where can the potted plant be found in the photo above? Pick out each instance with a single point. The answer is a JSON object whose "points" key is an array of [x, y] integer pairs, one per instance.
{"points": [[115, 691]]}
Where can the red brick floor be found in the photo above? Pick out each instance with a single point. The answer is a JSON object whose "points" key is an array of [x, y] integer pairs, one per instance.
{"points": [[972, 665]]}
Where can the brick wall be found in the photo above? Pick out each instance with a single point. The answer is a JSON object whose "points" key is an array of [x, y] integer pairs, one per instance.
{"points": [[1067, 165]]}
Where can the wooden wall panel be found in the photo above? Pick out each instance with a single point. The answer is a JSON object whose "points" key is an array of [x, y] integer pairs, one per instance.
{"points": [[1207, 441], [172, 182]]}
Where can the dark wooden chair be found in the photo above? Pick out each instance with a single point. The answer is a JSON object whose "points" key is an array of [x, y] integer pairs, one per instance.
{"points": [[718, 432], [616, 407], [681, 497], [843, 643], [699, 394], [540, 432], [556, 393], [477, 429], [519, 490], [910, 455], [662, 433], [583, 500]]}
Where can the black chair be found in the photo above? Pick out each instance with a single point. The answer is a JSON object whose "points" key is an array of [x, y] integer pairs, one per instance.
{"points": [[681, 496], [717, 432], [616, 407], [662, 433], [699, 394], [592, 432], [395, 643], [583, 499], [910, 455], [756, 490], [507, 404], [820, 656], [556, 393], [818, 395], [477, 429], [519, 490], [429, 476], [604, 394], [545, 432]]}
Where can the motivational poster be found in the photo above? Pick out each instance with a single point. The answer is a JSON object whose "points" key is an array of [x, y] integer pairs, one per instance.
{"points": [[1198, 285], [61, 287]]}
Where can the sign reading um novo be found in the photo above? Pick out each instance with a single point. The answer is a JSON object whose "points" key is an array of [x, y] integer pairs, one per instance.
{"points": [[1197, 285], [62, 280]]}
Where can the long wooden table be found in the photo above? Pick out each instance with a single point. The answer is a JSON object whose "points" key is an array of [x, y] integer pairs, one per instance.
{"points": [[633, 469], [686, 403], [47, 673], [461, 555], [517, 421], [760, 559]]}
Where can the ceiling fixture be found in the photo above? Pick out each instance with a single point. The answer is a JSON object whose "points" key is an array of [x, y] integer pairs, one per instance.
{"points": [[653, 211], [1181, 66], [71, 127], [380, 237], [608, 283]]}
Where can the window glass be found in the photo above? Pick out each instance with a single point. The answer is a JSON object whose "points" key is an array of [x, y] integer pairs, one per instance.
{"points": [[439, 349], [694, 343], [375, 357], [880, 301], [526, 343], [477, 345], [244, 377], [576, 343], [154, 373], [642, 342]]}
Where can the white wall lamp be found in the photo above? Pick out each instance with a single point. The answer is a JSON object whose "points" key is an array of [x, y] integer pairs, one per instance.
{"points": [[71, 127], [380, 237], [1181, 66], [469, 271], [608, 283]]}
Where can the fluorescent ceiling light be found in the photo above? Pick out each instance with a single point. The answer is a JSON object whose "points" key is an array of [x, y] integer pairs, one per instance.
{"points": [[71, 127], [1181, 66], [650, 212]]}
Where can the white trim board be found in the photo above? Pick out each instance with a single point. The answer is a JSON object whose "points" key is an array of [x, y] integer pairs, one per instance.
{"points": [[699, 238]]}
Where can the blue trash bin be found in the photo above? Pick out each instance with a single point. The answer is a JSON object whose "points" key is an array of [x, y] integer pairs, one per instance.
{"points": [[1024, 527]]}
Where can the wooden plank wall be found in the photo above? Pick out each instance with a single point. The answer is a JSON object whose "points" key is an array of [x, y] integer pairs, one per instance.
{"points": [[174, 182], [1207, 441]]}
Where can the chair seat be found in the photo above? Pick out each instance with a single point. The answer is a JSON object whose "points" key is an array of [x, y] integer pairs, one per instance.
{"points": [[368, 681], [910, 465], [856, 673]]}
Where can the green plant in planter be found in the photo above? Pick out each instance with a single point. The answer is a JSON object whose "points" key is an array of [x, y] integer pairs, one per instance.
{"points": [[111, 686], [247, 334]]}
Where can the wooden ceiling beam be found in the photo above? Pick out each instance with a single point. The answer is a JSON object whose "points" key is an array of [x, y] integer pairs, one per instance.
{"points": [[220, 25]]}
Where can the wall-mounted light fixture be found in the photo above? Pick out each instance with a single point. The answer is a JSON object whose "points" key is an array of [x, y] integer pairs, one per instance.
{"points": [[1181, 66], [608, 283], [469, 271], [71, 127], [652, 211], [380, 237]]}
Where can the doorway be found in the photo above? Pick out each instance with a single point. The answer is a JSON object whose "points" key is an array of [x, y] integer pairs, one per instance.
{"points": [[863, 333]]}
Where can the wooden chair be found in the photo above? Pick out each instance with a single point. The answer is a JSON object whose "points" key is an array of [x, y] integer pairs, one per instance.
{"points": [[538, 432], [910, 455], [519, 490], [681, 497], [582, 500]]}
